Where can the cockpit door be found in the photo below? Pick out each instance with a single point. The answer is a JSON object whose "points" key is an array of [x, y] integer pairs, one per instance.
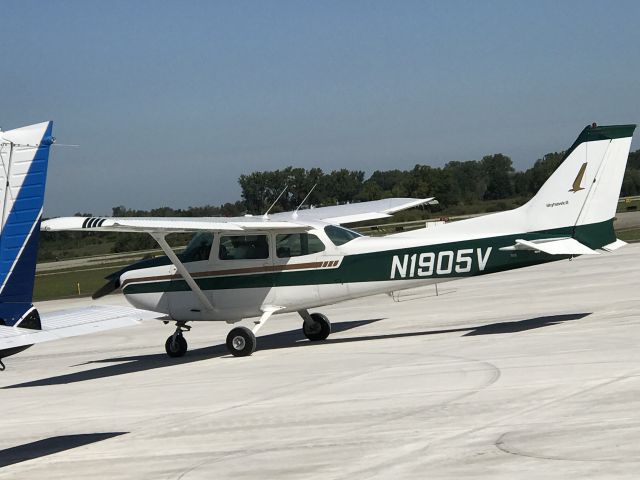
{"points": [[183, 303], [297, 264], [242, 274]]}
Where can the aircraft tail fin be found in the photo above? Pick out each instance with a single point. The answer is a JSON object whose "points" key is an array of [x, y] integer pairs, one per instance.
{"points": [[582, 194], [24, 155]]}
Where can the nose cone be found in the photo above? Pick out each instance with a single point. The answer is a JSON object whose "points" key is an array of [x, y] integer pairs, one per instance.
{"points": [[156, 302], [114, 280], [143, 288]]}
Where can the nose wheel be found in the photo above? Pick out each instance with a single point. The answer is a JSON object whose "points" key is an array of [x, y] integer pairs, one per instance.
{"points": [[176, 344]]}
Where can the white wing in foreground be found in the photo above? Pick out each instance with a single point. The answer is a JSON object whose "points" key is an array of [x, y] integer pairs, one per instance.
{"points": [[162, 224], [71, 323]]}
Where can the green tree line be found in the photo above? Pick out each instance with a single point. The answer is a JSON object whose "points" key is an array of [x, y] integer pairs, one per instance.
{"points": [[458, 183]]}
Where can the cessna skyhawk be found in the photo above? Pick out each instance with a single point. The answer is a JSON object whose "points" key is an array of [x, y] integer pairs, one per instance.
{"points": [[243, 267]]}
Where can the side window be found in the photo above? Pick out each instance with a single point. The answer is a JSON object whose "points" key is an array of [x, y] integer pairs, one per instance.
{"points": [[198, 248], [297, 244], [243, 247]]}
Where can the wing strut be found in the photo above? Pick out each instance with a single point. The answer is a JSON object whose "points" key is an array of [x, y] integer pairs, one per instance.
{"points": [[182, 270]]}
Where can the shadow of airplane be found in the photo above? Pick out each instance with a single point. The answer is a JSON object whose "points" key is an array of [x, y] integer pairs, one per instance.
{"points": [[287, 339], [51, 445]]}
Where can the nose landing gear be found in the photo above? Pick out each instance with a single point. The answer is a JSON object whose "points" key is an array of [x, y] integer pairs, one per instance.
{"points": [[176, 344]]}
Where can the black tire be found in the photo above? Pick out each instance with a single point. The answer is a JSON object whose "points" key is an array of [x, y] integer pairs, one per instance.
{"points": [[320, 329], [176, 348], [241, 342]]}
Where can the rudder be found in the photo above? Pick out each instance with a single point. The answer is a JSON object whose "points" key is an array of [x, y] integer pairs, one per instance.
{"points": [[583, 192]]}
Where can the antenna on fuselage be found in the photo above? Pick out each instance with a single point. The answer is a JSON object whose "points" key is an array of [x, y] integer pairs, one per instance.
{"points": [[295, 212], [266, 214]]}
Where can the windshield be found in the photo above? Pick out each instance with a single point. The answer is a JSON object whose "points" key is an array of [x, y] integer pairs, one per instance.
{"points": [[199, 248], [339, 235]]}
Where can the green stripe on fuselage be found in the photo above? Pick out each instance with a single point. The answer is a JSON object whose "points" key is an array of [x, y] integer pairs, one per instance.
{"points": [[377, 266]]}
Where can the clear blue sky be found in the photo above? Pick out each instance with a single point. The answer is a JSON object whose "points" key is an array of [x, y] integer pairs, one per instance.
{"points": [[172, 101]]}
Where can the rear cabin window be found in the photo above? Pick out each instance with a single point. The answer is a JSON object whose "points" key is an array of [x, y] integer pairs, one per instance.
{"points": [[244, 247], [297, 244], [198, 248], [340, 236]]}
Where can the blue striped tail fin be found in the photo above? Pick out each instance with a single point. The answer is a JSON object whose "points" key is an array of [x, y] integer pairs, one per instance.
{"points": [[24, 155]]}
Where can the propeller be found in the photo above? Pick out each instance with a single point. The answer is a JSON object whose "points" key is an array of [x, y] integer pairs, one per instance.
{"points": [[113, 279], [113, 283]]}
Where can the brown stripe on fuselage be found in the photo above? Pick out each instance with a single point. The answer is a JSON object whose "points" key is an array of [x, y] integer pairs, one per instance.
{"points": [[233, 271]]}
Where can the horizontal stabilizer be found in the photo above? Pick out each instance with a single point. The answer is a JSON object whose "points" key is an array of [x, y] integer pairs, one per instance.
{"points": [[552, 246], [72, 323], [614, 246]]}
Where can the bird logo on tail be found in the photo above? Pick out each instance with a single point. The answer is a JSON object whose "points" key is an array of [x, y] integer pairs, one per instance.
{"points": [[578, 181]]}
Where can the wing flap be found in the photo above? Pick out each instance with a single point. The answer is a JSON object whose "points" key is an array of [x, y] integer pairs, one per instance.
{"points": [[356, 217]]}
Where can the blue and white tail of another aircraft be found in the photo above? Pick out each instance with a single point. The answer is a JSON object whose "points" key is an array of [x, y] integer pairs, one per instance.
{"points": [[24, 155], [24, 158]]}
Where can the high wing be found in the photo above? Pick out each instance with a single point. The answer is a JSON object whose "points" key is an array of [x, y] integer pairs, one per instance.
{"points": [[339, 214], [163, 224], [71, 323]]}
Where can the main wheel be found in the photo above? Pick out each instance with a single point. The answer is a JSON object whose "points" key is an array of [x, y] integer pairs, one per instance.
{"points": [[319, 329], [176, 346], [241, 342]]}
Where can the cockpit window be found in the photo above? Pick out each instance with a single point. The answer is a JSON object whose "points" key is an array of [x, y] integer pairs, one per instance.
{"points": [[297, 244], [199, 248], [339, 235], [244, 247]]}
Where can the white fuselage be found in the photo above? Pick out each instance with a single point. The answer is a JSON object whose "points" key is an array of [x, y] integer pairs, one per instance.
{"points": [[233, 304]]}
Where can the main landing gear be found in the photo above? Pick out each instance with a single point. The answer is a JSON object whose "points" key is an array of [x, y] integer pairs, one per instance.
{"points": [[315, 326], [241, 341]]}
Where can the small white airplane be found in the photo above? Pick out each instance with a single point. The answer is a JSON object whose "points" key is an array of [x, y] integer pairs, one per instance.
{"points": [[24, 155], [243, 267]]}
